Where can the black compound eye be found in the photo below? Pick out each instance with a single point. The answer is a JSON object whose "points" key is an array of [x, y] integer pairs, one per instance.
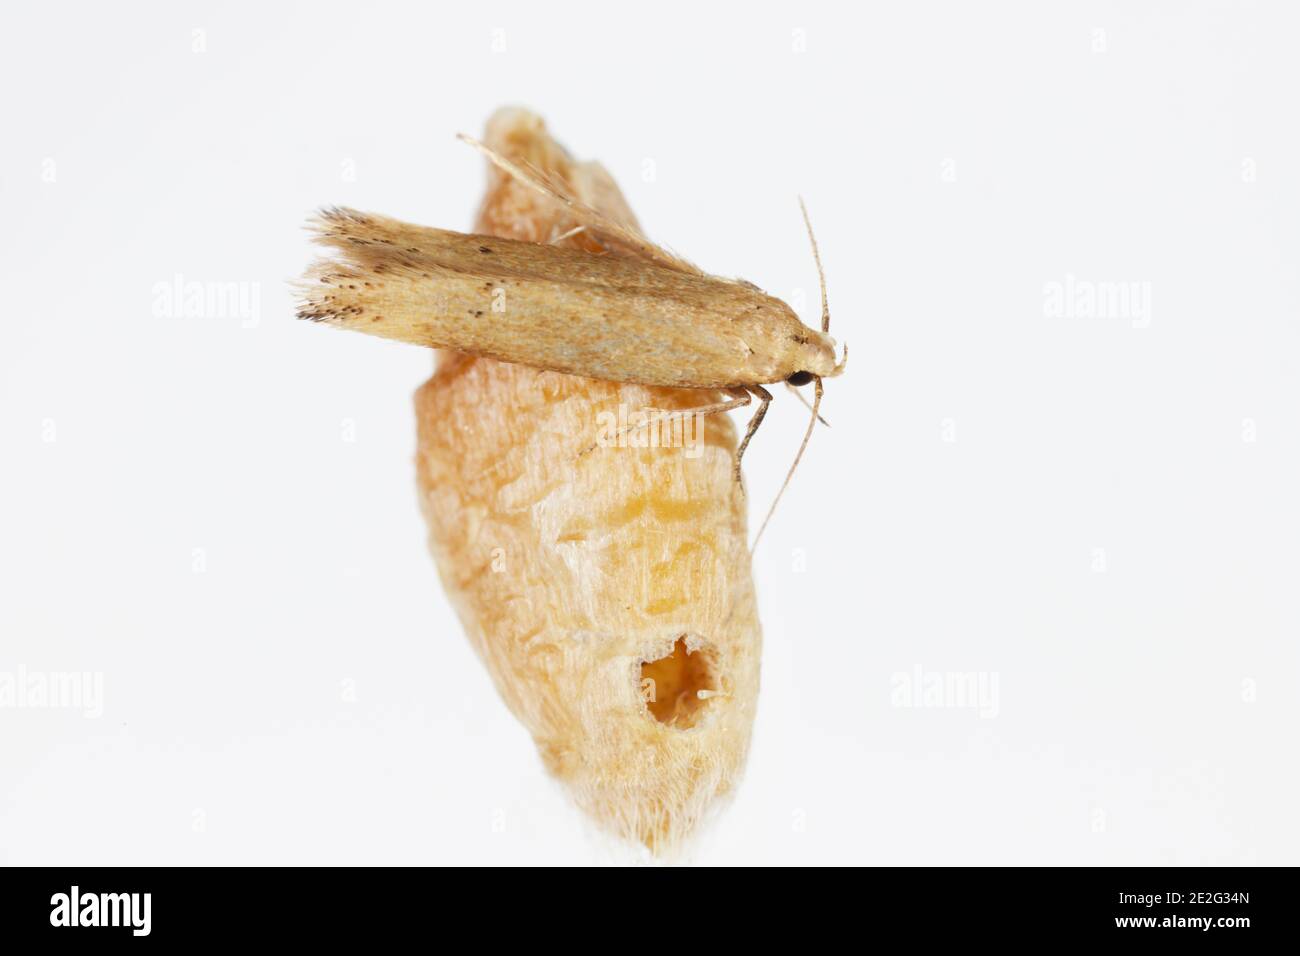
{"points": [[800, 378]]}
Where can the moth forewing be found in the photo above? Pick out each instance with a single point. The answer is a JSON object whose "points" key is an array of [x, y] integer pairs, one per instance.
{"points": [[621, 319]]}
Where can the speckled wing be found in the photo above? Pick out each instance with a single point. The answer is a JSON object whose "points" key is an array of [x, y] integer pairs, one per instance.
{"points": [[618, 318]]}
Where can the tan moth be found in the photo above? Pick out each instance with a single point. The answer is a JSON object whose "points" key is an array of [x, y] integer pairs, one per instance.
{"points": [[609, 595], [647, 317]]}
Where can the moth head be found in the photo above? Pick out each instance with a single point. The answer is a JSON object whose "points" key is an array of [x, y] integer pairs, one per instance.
{"points": [[814, 358]]}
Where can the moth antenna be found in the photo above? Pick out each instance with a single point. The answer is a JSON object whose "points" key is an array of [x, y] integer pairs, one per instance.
{"points": [[804, 402], [812, 423], [817, 387], [821, 275], [568, 235], [598, 223]]}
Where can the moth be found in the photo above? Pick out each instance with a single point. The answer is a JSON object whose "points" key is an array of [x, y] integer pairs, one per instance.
{"points": [[645, 317]]}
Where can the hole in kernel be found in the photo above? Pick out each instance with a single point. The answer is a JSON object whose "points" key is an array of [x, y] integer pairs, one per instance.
{"points": [[671, 685]]}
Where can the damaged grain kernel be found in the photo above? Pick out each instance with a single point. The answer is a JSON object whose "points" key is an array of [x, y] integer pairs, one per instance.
{"points": [[677, 686], [580, 577]]}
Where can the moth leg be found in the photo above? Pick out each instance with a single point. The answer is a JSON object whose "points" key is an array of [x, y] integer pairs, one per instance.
{"points": [[764, 399], [739, 399]]}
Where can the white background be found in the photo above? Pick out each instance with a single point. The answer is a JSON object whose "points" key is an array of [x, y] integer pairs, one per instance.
{"points": [[1072, 504]]}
